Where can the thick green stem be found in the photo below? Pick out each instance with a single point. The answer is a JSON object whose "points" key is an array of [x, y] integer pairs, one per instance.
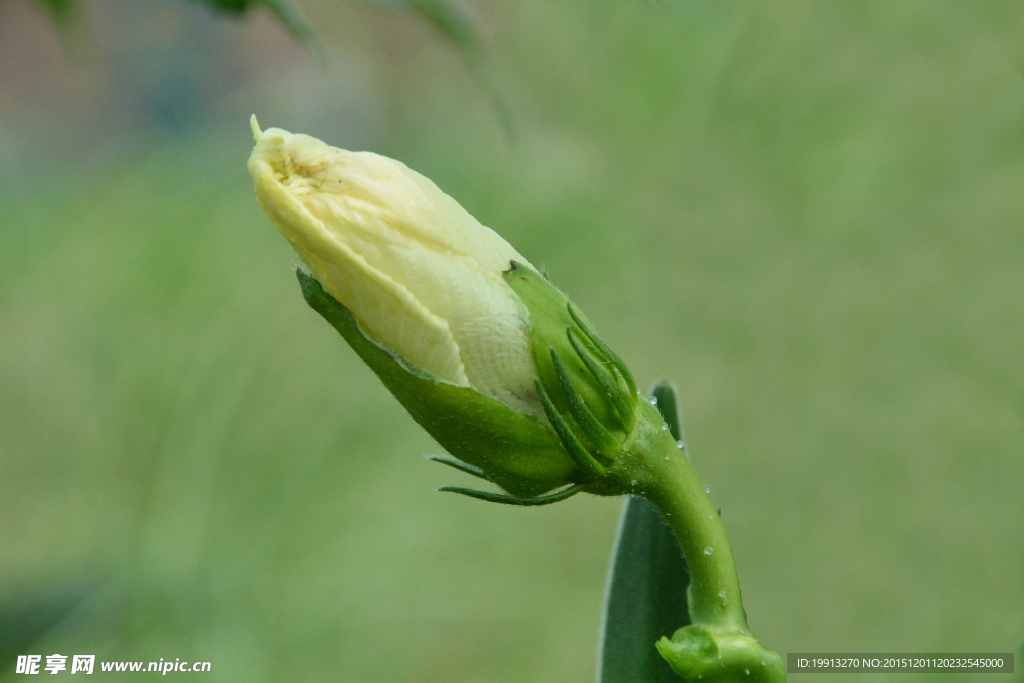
{"points": [[718, 645], [675, 489], [667, 403], [665, 476]]}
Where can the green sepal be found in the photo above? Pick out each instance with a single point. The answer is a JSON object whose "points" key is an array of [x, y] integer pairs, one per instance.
{"points": [[605, 350], [604, 442], [551, 315], [623, 402], [591, 468], [460, 466], [492, 497], [517, 452]]}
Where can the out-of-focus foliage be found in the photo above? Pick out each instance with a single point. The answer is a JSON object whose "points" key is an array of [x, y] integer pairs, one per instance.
{"points": [[453, 23], [285, 10], [807, 215], [59, 9]]}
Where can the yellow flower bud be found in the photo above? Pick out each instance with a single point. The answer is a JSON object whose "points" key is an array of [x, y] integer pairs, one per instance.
{"points": [[496, 364], [421, 276], [489, 357]]}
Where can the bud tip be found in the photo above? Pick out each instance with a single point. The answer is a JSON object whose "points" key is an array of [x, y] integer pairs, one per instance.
{"points": [[255, 126]]}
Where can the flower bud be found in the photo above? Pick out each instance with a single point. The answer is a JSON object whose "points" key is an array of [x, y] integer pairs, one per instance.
{"points": [[475, 344], [420, 274]]}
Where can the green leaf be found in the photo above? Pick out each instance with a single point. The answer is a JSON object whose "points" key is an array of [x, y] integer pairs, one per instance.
{"points": [[463, 33], [646, 598], [287, 13], [667, 403], [517, 452], [232, 6], [66, 16], [453, 23], [60, 10], [25, 619]]}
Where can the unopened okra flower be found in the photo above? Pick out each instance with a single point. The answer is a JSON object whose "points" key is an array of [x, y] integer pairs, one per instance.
{"points": [[490, 358], [497, 365]]}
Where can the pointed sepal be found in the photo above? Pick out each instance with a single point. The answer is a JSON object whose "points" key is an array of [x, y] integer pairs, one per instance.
{"points": [[518, 452], [494, 497]]}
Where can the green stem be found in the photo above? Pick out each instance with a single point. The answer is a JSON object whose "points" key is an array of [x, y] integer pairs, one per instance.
{"points": [[724, 571], [665, 477], [718, 645]]}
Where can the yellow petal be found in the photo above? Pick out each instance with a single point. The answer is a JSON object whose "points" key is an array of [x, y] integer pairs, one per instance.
{"points": [[420, 274]]}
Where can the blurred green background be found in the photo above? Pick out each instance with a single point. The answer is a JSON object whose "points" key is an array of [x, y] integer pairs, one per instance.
{"points": [[808, 215]]}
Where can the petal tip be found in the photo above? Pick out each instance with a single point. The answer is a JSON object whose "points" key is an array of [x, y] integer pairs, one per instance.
{"points": [[255, 126]]}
